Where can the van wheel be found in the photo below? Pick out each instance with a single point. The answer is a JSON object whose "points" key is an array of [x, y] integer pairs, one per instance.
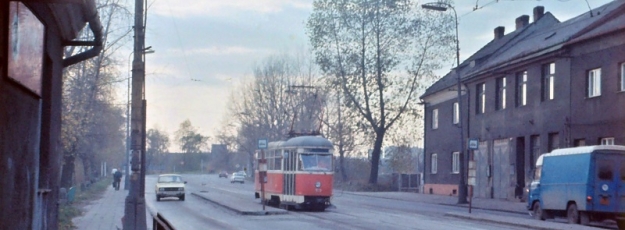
{"points": [[538, 212], [584, 218], [572, 215]]}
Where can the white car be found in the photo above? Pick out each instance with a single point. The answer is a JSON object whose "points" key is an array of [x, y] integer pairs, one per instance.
{"points": [[237, 177], [170, 185]]}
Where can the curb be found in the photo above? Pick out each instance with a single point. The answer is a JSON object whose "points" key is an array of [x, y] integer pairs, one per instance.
{"points": [[512, 221], [241, 212], [454, 205]]}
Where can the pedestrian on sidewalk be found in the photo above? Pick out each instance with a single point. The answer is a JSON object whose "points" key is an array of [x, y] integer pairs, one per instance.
{"points": [[117, 177]]}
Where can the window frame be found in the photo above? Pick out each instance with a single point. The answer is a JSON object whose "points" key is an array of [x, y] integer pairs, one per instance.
{"points": [[607, 141], [456, 113], [623, 77], [548, 81], [434, 118], [500, 98], [480, 105], [455, 162], [593, 81], [434, 163], [521, 88]]}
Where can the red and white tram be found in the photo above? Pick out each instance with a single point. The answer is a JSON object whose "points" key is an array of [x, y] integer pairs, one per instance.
{"points": [[299, 173]]}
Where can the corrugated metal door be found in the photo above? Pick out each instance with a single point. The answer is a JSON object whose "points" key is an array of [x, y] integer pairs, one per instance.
{"points": [[502, 171], [480, 156]]}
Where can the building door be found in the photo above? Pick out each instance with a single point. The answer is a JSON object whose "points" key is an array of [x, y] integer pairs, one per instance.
{"points": [[520, 167], [502, 169], [482, 187]]}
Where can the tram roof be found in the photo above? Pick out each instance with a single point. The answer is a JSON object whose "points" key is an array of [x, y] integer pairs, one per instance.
{"points": [[315, 141]]}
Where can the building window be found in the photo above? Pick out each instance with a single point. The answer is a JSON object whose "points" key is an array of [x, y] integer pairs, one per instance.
{"points": [[607, 141], [579, 142], [548, 80], [623, 76], [455, 162], [594, 83], [456, 113], [501, 93], [554, 141], [534, 149], [521, 88], [26, 47], [435, 119], [480, 104], [434, 167]]}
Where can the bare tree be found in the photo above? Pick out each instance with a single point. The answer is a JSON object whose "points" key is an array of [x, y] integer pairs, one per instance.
{"points": [[281, 99], [158, 144], [91, 124], [378, 52]]}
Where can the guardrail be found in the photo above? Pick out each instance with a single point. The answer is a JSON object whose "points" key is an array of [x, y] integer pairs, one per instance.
{"points": [[158, 221]]}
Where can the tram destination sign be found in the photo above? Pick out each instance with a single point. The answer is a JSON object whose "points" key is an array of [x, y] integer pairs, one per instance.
{"points": [[262, 143]]}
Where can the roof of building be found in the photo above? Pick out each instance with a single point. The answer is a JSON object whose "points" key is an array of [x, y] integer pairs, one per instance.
{"points": [[543, 36]]}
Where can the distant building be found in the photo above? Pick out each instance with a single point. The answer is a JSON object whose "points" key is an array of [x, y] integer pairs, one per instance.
{"points": [[546, 85], [33, 35]]}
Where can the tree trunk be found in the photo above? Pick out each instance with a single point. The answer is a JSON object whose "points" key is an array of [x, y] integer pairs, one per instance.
{"points": [[375, 157], [67, 171], [342, 165]]}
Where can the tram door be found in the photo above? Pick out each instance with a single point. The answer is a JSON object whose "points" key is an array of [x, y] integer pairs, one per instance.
{"points": [[290, 166]]}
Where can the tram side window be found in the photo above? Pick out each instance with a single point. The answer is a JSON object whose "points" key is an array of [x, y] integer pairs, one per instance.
{"points": [[278, 163]]}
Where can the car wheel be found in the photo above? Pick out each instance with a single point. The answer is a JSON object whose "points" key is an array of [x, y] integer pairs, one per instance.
{"points": [[182, 198], [158, 198]]}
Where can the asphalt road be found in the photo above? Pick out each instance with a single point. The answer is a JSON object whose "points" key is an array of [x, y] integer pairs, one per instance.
{"points": [[350, 211]]}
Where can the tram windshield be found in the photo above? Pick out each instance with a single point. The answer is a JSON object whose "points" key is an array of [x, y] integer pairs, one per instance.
{"points": [[316, 162]]}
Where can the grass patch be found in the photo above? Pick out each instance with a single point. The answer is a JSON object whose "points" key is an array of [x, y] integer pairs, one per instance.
{"points": [[68, 211]]}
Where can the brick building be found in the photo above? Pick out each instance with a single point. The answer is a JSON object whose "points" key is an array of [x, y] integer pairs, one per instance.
{"points": [[33, 34], [546, 85]]}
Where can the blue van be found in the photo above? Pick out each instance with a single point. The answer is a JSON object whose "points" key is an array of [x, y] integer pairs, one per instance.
{"points": [[582, 184]]}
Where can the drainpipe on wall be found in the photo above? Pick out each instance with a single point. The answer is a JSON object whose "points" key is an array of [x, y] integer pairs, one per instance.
{"points": [[90, 11], [422, 187]]}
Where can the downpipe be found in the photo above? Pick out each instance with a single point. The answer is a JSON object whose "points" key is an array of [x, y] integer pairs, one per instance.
{"points": [[95, 25]]}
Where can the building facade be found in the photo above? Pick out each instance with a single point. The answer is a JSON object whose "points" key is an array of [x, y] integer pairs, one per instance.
{"points": [[33, 34], [546, 85]]}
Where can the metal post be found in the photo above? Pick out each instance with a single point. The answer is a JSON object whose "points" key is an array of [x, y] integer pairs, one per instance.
{"points": [[134, 213], [462, 185], [261, 177]]}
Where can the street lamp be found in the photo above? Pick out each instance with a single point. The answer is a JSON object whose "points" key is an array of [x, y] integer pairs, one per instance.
{"points": [[462, 187], [147, 50]]}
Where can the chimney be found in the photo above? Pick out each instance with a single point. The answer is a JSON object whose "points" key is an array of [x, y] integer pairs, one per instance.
{"points": [[539, 11], [499, 31], [522, 21]]}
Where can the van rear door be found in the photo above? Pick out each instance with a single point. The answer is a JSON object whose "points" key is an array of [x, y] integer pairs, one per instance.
{"points": [[607, 180]]}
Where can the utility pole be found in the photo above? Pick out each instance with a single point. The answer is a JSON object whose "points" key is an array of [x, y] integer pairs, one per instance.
{"points": [[134, 213]]}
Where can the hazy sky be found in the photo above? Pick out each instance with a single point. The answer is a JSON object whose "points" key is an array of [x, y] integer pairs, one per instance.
{"points": [[203, 47]]}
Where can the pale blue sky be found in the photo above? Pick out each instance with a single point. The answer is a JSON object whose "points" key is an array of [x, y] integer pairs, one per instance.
{"points": [[203, 47]]}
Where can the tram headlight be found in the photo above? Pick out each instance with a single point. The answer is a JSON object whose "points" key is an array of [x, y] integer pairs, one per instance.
{"points": [[318, 184]]}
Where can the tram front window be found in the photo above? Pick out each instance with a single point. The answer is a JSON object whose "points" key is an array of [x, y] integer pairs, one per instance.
{"points": [[316, 162]]}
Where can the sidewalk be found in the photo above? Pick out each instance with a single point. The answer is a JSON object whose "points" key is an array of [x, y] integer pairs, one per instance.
{"points": [[477, 203], [106, 213]]}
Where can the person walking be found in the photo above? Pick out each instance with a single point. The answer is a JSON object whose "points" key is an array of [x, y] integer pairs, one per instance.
{"points": [[117, 177]]}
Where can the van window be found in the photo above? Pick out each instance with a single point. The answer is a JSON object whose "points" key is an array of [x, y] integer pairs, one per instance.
{"points": [[605, 171]]}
